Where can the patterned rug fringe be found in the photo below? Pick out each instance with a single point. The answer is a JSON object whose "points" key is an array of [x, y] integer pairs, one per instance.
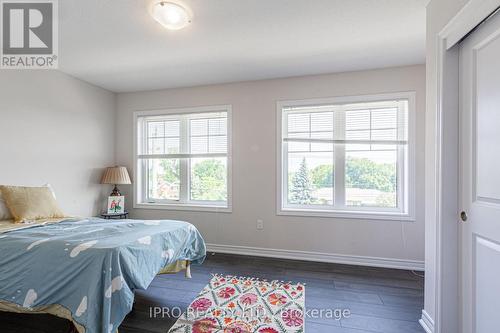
{"points": [[254, 279]]}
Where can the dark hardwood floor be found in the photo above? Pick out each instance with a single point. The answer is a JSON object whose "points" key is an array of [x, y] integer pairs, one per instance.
{"points": [[379, 300]]}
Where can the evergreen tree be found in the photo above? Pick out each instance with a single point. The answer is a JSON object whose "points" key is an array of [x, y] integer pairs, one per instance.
{"points": [[301, 186]]}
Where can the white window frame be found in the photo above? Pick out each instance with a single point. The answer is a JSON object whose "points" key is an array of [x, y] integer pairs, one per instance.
{"points": [[140, 187], [368, 213]]}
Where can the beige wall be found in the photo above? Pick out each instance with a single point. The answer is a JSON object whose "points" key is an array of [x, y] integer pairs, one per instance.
{"points": [[58, 130], [439, 13], [254, 165]]}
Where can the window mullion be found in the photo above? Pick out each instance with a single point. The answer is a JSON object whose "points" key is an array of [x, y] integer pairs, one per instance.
{"points": [[144, 185], [400, 178], [184, 162], [401, 165], [284, 159], [144, 164], [339, 156], [339, 159]]}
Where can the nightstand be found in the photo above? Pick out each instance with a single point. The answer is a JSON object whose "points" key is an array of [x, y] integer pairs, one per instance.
{"points": [[107, 216]]}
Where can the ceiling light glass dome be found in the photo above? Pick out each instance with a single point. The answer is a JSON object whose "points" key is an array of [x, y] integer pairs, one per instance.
{"points": [[171, 15]]}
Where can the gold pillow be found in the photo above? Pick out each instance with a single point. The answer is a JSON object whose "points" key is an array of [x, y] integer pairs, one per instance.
{"points": [[31, 203]]}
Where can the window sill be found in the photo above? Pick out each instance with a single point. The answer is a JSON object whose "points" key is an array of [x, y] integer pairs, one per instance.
{"points": [[347, 214], [197, 208]]}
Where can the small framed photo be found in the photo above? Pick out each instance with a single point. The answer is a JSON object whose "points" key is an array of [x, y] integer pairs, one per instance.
{"points": [[116, 205]]}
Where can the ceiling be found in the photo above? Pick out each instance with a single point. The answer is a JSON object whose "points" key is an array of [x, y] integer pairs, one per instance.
{"points": [[116, 44]]}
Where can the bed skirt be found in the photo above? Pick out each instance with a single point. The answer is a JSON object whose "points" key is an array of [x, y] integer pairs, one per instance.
{"points": [[62, 312]]}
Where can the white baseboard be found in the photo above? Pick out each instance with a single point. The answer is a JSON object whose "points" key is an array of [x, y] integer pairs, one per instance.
{"points": [[426, 322], [318, 256]]}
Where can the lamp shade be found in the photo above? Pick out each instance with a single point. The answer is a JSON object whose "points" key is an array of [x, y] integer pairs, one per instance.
{"points": [[116, 175]]}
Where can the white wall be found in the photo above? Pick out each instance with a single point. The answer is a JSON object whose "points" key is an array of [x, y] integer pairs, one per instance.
{"points": [[59, 130], [254, 165], [439, 13]]}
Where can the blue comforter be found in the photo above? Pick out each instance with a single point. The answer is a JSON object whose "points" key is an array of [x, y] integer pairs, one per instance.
{"points": [[92, 266]]}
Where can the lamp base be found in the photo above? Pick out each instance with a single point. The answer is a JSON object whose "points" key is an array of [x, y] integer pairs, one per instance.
{"points": [[116, 192]]}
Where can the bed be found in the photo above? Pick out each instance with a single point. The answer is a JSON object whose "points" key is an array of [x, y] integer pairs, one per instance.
{"points": [[86, 270]]}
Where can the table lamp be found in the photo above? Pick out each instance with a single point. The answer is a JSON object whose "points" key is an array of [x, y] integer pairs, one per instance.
{"points": [[116, 175]]}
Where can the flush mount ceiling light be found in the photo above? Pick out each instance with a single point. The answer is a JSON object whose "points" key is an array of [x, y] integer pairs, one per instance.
{"points": [[171, 15]]}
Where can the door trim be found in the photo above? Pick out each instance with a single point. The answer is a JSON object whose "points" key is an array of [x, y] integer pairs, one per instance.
{"points": [[467, 19], [445, 137]]}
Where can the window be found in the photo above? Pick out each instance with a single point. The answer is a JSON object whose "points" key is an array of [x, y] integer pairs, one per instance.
{"points": [[183, 159], [349, 157]]}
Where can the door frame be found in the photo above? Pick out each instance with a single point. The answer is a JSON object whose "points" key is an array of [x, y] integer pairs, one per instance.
{"points": [[446, 167]]}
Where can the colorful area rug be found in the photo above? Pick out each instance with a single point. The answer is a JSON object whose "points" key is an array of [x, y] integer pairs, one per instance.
{"points": [[244, 305]]}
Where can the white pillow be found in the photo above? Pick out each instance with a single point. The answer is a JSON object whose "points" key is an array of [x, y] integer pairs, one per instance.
{"points": [[5, 212]]}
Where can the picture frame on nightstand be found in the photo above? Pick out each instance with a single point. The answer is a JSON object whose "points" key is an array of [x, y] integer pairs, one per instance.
{"points": [[116, 204]]}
